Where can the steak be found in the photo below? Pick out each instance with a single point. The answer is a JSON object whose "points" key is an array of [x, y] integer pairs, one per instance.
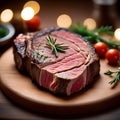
{"points": [[66, 74]]}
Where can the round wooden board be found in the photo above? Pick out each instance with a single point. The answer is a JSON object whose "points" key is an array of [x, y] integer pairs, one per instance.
{"points": [[22, 90]]}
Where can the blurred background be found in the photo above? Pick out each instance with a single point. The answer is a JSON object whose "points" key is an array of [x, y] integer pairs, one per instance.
{"points": [[104, 12]]}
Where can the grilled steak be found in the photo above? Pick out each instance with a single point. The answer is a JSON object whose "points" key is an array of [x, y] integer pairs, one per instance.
{"points": [[66, 74]]}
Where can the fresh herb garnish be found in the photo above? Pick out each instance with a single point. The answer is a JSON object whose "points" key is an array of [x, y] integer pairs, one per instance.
{"points": [[40, 56], [55, 47], [2, 33], [94, 36], [105, 29], [117, 76]]}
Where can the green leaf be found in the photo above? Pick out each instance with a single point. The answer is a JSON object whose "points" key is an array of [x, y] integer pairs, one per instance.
{"points": [[105, 29], [109, 72], [93, 37], [117, 76], [55, 47]]}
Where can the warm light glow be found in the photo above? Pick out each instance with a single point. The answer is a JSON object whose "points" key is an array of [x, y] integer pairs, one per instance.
{"points": [[117, 34], [6, 15], [33, 4], [64, 21], [27, 13], [89, 23]]}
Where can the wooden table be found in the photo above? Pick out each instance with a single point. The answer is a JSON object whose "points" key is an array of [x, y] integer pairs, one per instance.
{"points": [[48, 14]]}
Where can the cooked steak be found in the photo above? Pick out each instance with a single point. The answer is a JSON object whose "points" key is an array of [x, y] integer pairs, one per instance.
{"points": [[67, 73]]}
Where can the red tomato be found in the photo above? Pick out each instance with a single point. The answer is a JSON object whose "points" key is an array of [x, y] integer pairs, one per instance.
{"points": [[101, 49], [113, 56], [34, 23]]}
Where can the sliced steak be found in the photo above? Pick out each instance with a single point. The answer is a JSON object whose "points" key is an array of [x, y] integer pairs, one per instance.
{"points": [[66, 74]]}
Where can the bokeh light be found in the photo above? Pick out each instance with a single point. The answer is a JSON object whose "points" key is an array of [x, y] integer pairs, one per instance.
{"points": [[89, 23], [34, 5], [6, 15], [27, 13], [64, 21], [117, 34]]}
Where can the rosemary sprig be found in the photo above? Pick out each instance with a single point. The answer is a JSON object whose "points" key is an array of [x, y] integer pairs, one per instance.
{"points": [[55, 47], [116, 78], [105, 29], [94, 36]]}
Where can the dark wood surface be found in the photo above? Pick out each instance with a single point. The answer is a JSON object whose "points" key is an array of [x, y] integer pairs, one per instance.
{"points": [[48, 14]]}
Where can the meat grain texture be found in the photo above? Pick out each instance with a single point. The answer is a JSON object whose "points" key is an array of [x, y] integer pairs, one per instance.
{"points": [[66, 74]]}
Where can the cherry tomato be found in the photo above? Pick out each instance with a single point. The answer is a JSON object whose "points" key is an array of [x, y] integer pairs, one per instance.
{"points": [[34, 23], [101, 49], [113, 56]]}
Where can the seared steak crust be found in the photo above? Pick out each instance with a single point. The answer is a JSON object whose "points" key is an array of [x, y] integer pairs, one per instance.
{"points": [[66, 74]]}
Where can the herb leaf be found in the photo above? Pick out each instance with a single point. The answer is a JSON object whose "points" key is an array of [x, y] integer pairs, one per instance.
{"points": [[109, 72], [116, 78], [55, 47], [94, 36], [105, 29]]}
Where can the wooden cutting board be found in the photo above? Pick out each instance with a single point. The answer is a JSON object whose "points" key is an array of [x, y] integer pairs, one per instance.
{"points": [[23, 91]]}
